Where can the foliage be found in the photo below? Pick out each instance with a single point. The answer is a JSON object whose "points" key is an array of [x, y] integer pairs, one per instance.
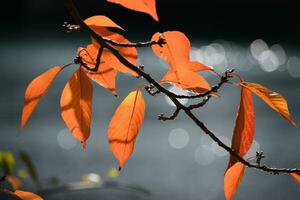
{"points": [[110, 53]]}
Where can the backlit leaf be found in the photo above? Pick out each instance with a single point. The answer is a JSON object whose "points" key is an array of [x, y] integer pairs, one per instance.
{"points": [[124, 126], [100, 21], [187, 80], [145, 6], [276, 101], [106, 74], [15, 182], [130, 53], [76, 106], [35, 90], [27, 195], [176, 51], [243, 132], [232, 179]]}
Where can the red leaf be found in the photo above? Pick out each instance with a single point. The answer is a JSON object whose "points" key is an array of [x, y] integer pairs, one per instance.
{"points": [[76, 106], [145, 6], [244, 126], [232, 179], [36, 90], [124, 126]]}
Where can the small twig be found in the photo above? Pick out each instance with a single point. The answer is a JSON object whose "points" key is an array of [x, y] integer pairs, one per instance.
{"points": [[223, 79], [201, 104], [71, 27], [171, 117], [78, 60], [161, 41], [259, 156]]}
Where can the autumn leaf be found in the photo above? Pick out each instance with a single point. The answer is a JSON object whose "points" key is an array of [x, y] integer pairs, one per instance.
{"points": [[124, 126], [187, 80], [76, 106], [145, 6], [35, 90], [232, 179], [243, 132], [22, 195], [106, 74], [276, 101], [176, 51], [15, 182], [296, 176], [27, 195], [101, 23], [130, 53]]}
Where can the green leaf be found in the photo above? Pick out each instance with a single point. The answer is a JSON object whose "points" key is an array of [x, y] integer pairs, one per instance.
{"points": [[7, 162], [29, 166]]}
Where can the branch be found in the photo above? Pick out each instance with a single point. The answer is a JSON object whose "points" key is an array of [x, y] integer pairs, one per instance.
{"points": [[161, 41], [223, 79], [78, 60], [73, 11], [171, 117]]}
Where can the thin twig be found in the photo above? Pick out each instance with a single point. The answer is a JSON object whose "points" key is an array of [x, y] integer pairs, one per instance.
{"points": [[171, 117], [74, 13], [78, 60], [201, 104], [161, 41]]}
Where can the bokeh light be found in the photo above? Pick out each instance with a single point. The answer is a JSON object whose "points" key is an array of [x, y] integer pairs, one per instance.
{"points": [[219, 151], [293, 67], [177, 91], [204, 156], [280, 53], [178, 138], [257, 47], [66, 140], [268, 61]]}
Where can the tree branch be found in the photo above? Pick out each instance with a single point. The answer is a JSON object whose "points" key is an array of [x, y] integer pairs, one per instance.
{"points": [[74, 13], [161, 41]]}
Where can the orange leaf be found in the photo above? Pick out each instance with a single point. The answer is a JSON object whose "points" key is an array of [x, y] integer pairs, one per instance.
{"points": [[232, 179], [35, 90], [145, 6], [15, 182], [176, 51], [187, 80], [106, 74], [130, 53], [124, 126], [272, 99], [27, 195], [76, 106], [100, 23], [296, 176], [244, 126]]}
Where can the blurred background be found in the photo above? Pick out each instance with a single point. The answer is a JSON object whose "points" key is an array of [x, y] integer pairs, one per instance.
{"points": [[172, 160]]}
